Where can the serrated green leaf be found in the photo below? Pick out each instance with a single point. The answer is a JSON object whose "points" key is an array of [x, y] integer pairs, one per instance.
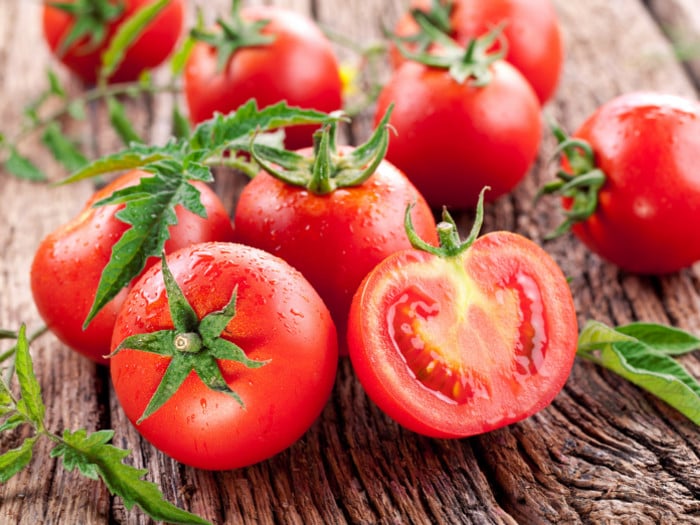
{"points": [[13, 461], [137, 156], [666, 339], [120, 122], [94, 456], [22, 168], [223, 130], [62, 148], [30, 403], [126, 35], [150, 211], [13, 421]]}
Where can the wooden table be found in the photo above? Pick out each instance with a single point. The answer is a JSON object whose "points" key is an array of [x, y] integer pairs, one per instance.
{"points": [[603, 452]]}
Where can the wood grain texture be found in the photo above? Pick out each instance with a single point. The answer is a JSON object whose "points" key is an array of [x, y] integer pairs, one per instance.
{"points": [[603, 452]]}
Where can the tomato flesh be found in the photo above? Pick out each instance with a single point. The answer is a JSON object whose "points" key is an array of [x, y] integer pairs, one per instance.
{"points": [[455, 347]]}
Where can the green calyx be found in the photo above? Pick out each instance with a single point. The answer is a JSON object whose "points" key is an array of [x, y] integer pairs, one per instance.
{"points": [[193, 345], [91, 19], [450, 243], [581, 184], [234, 34], [470, 63], [326, 170]]}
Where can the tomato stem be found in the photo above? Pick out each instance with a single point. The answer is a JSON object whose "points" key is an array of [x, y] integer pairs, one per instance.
{"points": [[463, 63], [327, 169], [448, 234], [193, 345], [580, 182], [235, 33], [90, 20], [189, 342]]}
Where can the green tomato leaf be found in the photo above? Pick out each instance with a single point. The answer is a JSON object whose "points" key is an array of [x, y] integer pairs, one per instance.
{"points": [[22, 168], [120, 122], [12, 422], [55, 87], [126, 35], [12, 461], [94, 457], [643, 364], [62, 148], [665, 339], [137, 156], [150, 211], [30, 404], [233, 130]]}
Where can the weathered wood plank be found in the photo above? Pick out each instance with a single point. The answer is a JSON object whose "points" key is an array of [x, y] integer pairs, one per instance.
{"points": [[603, 452]]}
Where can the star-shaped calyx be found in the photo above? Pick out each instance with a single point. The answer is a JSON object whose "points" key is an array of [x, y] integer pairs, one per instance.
{"points": [[192, 345]]}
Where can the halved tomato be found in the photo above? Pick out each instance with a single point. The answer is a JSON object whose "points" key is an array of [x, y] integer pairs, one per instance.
{"points": [[461, 341]]}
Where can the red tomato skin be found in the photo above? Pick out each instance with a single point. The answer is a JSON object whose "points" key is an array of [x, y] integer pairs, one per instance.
{"points": [[68, 264], [647, 144], [299, 67], [148, 51], [487, 271], [333, 239], [532, 30], [279, 317], [453, 139]]}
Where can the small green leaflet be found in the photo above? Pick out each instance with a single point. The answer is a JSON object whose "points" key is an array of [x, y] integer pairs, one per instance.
{"points": [[94, 457], [62, 148], [126, 35], [120, 122], [642, 354], [30, 403], [13, 461], [21, 167]]}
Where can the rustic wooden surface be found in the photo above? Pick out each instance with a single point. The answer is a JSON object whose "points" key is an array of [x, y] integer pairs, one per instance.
{"points": [[603, 452]]}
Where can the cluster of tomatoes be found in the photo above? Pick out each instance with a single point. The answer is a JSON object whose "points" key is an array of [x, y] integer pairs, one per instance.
{"points": [[225, 352]]}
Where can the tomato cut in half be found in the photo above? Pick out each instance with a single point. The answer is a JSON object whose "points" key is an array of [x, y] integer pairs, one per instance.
{"points": [[460, 345]]}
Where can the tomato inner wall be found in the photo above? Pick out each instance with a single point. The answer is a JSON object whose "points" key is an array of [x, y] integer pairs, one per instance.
{"points": [[444, 367]]}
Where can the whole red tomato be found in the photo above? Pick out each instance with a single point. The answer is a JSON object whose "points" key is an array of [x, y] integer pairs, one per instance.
{"points": [[461, 340], [84, 56], [68, 264], [454, 137], [231, 409], [335, 237], [531, 30], [633, 194], [294, 62]]}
